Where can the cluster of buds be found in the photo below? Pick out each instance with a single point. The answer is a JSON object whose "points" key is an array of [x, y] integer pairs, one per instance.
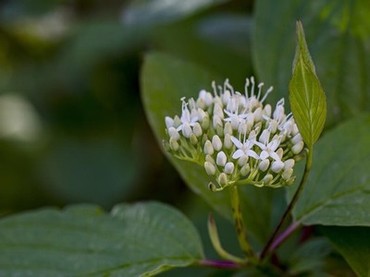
{"points": [[235, 137]]}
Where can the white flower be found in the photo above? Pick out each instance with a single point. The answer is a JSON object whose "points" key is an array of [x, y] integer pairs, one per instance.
{"points": [[187, 118], [244, 149], [268, 149]]}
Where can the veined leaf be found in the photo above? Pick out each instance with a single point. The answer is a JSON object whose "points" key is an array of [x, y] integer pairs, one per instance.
{"points": [[133, 240], [307, 98], [354, 245], [338, 188]]}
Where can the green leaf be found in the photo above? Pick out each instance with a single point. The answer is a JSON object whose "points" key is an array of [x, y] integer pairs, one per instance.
{"points": [[307, 98], [354, 244], [339, 36], [133, 240], [338, 189], [164, 80]]}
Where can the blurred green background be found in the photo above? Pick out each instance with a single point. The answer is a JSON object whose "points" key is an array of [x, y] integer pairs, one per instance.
{"points": [[72, 127]]}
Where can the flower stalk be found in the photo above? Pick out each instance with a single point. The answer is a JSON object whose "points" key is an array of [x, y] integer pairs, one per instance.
{"points": [[276, 240], [239, 224]]}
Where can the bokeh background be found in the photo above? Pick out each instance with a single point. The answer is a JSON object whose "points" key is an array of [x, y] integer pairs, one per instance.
{"points": [[72, 126]]}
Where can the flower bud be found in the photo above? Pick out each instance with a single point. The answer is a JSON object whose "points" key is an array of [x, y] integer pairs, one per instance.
{"points": [[221, 158], [210, 159], [264, 165], [186, 130], [174, 145], [169, 122], [265, 136], [222, 179], [227, 141], [297, 138], [297, 148], [258, 114], [228, 129], [205, 122], [243, 160], [193, 139], [277, 166], [289, 164], [229, 168], [267, 179], [244, 171], [176, 121], [216, 143], [267, 110], [208, 148], [287, 173], [197, 129], [210, 168], [173, 133]]}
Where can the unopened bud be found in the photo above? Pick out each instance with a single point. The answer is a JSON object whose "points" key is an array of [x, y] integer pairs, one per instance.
{"points": [[277, 166], [222, 179], [227, 141], [228, 129], [297, 148], [169, 122], [297, 138], [216, 143], [287, 173], [174, 145], [289, 164], [210, 168], [197, 129], [221, 158], [264, 165], [267, 179], [208, 148], [229, 168], [193, 139], [243, 160], [244, 171], [173, 133], [186, 130]]}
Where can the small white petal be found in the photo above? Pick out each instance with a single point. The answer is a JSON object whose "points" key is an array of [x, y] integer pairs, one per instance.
{"points": [[221, 159], [216, 143], [236, 142], [238, 153], [229, 168], [264, 155], [265, 136], [267, 110], [275, 156], [169, 122], [253, 154]]}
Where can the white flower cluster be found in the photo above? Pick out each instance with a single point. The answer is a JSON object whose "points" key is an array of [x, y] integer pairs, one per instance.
{"points": [[237, 138]]}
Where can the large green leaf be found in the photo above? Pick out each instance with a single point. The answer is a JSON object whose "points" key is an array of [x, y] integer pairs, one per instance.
{"points": [[307, 98], [338, 189], [339, 37], [354, 244], [164, 81], [133, 240]]}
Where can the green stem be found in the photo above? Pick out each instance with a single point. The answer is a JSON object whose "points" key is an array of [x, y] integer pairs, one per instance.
{"points": [[268, 247], [239, 224]]}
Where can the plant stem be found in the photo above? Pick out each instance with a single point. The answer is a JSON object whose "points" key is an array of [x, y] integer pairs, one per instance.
{"points": [[239, 224], [271, 244], [219, 264]]}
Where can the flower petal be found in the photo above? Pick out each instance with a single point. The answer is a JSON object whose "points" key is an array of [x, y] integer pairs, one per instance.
{"points": [[236, 142], [238, 153]]}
